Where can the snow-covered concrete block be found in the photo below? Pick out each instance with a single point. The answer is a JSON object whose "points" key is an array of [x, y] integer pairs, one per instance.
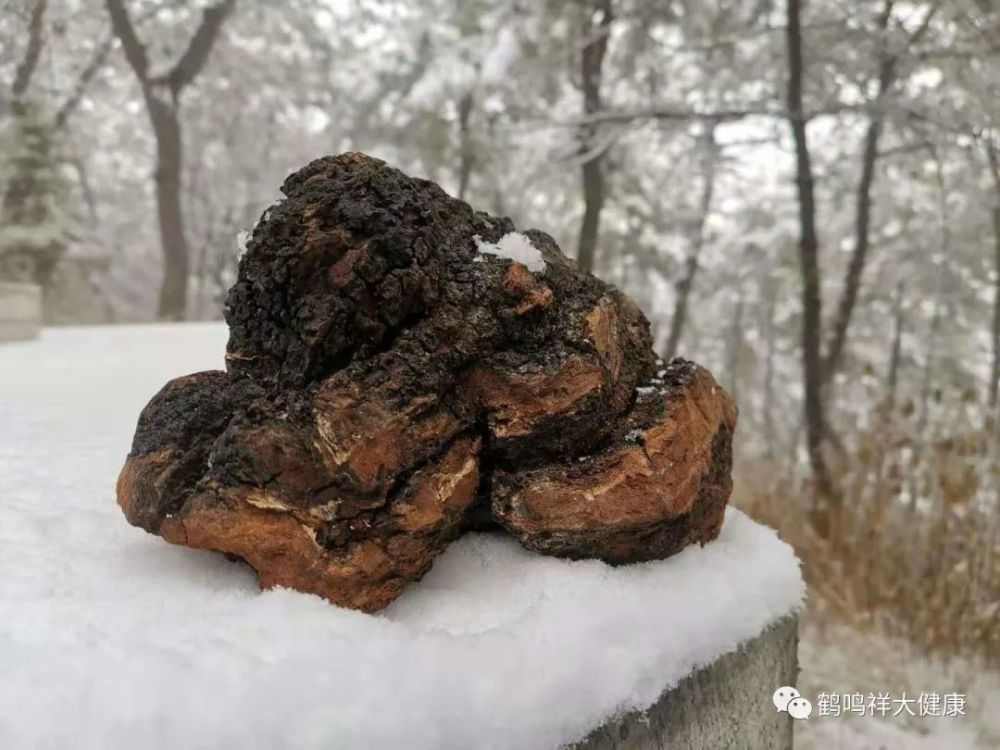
{"points": [[724, 704], [20, 311], [110, 639]]}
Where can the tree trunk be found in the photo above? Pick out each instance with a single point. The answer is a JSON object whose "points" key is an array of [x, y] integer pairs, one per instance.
{"points": [[32, 54], [467, 155], [815, 420], [591, 64], [733, 345], [686, 283], [769, 352], [887, 69], [863, 208], [172, 303], [895, 355], [163, 114], [920, 438], [995, 368], [593, 198], [856, 265], [994, 385], [927, 381]]}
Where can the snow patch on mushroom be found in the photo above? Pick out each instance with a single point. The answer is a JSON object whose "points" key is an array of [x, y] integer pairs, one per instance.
{"points": [[515, 246]]}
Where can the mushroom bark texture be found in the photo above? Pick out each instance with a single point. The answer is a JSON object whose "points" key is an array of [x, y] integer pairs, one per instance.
{"points": [[394, 378]]}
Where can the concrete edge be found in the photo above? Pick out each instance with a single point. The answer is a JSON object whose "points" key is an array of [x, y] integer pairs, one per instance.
{"points": [[726, 704]]}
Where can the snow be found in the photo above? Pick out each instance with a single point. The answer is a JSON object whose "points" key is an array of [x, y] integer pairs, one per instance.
{"points": [[242, 238], [111, 638], [500, 59], [515, 246], [837, 658]]}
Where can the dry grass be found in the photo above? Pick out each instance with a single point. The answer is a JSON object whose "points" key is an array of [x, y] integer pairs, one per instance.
{"points": [[913, 553]]}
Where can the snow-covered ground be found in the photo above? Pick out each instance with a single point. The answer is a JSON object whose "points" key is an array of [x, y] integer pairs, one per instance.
{"points": [[111, 638], [845, 660]]}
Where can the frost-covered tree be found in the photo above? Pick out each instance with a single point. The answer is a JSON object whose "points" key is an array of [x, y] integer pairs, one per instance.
{"points": [[35, 226]]}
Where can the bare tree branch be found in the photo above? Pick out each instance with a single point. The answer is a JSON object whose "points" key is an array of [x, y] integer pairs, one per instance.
{"points": [[72, 101], [904, 148], [36, 40], [862, 216], [199, 48], [709, 160], [90, 71], [717, 116], [888, 68], [135, 51]]}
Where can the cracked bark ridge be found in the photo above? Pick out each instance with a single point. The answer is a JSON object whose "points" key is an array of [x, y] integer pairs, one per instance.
{"points": [[660, 484], [388, 387]]}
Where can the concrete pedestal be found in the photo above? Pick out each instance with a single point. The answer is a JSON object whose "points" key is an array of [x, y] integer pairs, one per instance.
{"points": [[20, 311], [726, 704]]}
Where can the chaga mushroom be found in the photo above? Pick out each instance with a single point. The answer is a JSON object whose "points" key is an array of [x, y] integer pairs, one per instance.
{"points": [[662, 483], [401, 367]]}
